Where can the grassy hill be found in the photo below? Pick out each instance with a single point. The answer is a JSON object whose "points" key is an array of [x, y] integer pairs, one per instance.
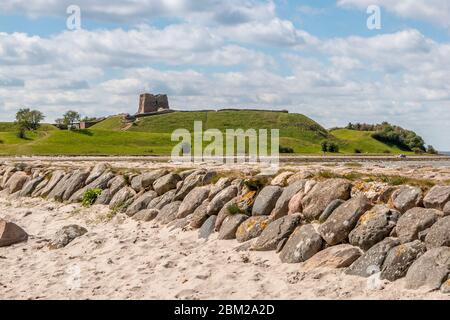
{"points": [[152, 135]]}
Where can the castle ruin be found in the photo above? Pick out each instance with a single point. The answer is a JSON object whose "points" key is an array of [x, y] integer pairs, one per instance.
{"points": [[149, 103]]}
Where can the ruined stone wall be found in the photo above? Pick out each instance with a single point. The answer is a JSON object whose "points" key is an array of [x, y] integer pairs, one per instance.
{"points": [[149, 103], [370, 229]]}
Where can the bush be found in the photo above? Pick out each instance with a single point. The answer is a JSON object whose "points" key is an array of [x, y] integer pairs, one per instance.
{"points": [[430, 150], [358, 151], [1, 141], [333, 148], [90, 196], [286, 150], [21, 133]]}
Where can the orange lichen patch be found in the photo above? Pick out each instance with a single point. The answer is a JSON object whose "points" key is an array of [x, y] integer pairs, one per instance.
{"points": [[368, 216]]}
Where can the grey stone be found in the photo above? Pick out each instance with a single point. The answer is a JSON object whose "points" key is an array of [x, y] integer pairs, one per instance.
{"points": [[372, 260], [414, 221], [281, 179], [58, 191], [104, 198], [29, 187], [303, 243], [335, 257], [230, 226], [341, 222], [275, 232], [193, 200], [168, 213], [447, 209], [141, 203], [99, 183], [96, 172], [75, 183], [406, 197], [322, 194], [439, 234], [166, 183], [373, 226], [66, 235], [445, 287], [161, 201], [224, 212], [193, 180], [39, 187], [146, 215], [330, 209], [219, 201], [17, 181], [251, 228], [207, 228], [266, 200], [282, 205], [437, 197], [199, 216], [400, 258], [430, 270], [54, 180], [11, 233], [221, 184], [116, 183], [121, 198]]}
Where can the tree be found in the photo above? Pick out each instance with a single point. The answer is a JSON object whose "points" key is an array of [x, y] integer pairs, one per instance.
{"points": [[324, 146], [70, 117], [27, 119], [431, 150], [333, 147]]}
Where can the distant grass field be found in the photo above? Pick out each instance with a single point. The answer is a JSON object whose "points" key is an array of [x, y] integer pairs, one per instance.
{"points": [[152, 135]]}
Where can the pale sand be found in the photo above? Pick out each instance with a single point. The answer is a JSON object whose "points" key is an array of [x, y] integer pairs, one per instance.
{"points": [[141, 261]]}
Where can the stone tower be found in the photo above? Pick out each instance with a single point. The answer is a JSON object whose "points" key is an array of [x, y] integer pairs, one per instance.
{"points": [[152, 103]]}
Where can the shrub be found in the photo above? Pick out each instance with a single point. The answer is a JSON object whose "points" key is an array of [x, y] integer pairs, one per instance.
{"points": [[333, 148], [358, 150], [430, 150], [286, 150], [90, 196]]}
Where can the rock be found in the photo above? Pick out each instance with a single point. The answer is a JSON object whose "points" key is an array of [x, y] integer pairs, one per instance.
{"points": [[220, 185], [322, 194], [166, 183], [219, 201], [266, 200], [136, 183], [302, 175], [121, 198], [96, 172], [282, 205], [437, 197], [161, 201], [230, 226], [58, 191], [168, 213], [439, 234], [38, 189], [146, 180], [146, 215], [117, 183], [430, 270], [184, 174], [66, 235], [445, 287], [29, 187], [16, 182], [275, 232], [372, 260], [374, 226], [207, 228], [10, 234], [447, 209], [199, 216], [54, 180], [406, 197], [224, 213], [193, 180], [280, 245], [414, 221], [104, 198], [281, 179], [330, 209], [251, 228], [400, 258], [193, 199], [9, 171], [340, 256], [303, 243], [341, 222], [75, 183], [295, 204], [100, 183], [141, 203]]}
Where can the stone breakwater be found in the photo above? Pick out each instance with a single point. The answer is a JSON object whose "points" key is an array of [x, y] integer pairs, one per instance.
{"points": [[369, 229]]}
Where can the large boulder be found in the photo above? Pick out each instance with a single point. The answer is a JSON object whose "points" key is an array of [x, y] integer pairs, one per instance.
{"points": [[195, 179], [161, 201], [281, 179], [192, 201], [406, 197], [221, 184], [141, 203], [29, 187], [230, 226], [439, 234], [104, 198], [251, 228], [303, 243], [341, 222], [219, 201], [116, 183], [447, 209], [58, 191], [330, 209], [373, 226], [121, 198], [400, 258], [335, 257], [199, 216], [96, 172], [277, 231], [99, 183], [437, 197], [372, 260], [322, 194], [9, 171], [168, 213], [282, 205], [41, 185], [266, 200], [430, 270], [17, 181], [53, 181], [295, 203], [166, 183], [10, 234], [414, 221], [207, 228], [146, 215], [229, 208], [75, 183], [66, 235]]}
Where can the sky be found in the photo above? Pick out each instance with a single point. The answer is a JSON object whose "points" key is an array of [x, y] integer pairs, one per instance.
{"points": [[315, 57]]}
